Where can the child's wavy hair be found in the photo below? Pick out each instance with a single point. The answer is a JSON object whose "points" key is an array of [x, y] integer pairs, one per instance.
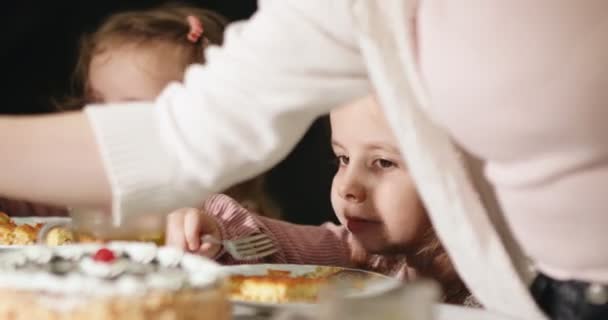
{"points": [[438, 265], [166, 24]]}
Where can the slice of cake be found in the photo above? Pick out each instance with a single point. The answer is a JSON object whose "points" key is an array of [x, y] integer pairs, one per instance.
{"points": [[280, 286], [119, 281], [275, 288]]}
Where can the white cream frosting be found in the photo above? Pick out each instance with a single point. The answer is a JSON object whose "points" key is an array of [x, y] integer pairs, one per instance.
{"points": [[143, 253], [201, 278], [192, 263], [93, 279], [38, 254], [139, 252], [74, 252], [13, 260], [169, 256], [102, 269], [170, 280], [131, 284]]}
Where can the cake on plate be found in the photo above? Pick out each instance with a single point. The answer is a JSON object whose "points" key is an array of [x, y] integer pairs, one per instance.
{"points": [[116, 281], [281, 286], [275, 289]]}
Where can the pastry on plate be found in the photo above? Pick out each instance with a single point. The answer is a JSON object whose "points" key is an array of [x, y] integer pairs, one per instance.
{"points": [[6, 233], [304, 285], [19, 234], [275, 288], [24, 234], [280, 286], [4, 218], [59, 236]]}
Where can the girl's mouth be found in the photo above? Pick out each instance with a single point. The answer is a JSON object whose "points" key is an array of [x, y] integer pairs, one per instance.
{"points": [[357, 225]]}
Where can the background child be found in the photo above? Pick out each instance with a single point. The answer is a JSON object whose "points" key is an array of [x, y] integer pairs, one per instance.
{"points": [[132, 57], [384, 226]]}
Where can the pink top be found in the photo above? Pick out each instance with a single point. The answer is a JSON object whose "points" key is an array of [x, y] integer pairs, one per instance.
{"points": [[524, 85], [298, 244], [328, 244]]}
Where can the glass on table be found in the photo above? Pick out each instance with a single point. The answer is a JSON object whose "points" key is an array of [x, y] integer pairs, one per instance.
{"points": [[413, 300], [96, 225]]}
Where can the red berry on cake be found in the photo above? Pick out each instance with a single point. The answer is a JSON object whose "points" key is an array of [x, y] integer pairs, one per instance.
{"points": [[104, 255]]}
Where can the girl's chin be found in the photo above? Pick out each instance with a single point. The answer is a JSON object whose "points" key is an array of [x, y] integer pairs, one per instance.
{"points": [[378, 246]]}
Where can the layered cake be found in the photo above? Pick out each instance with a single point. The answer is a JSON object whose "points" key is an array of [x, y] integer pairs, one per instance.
{"points": [[117, 281], [275, 289], [280, 286]]}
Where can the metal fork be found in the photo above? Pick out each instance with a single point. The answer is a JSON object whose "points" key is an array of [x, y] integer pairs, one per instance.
{"points": [[248, 248]]}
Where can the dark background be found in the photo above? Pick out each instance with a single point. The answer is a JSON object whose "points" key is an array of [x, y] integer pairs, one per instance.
{"points": [[40, 40]]}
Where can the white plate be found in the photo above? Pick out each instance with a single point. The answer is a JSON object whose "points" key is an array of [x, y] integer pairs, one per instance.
{"points": [[451, 312], [441, 311], [33, 221], [374, 284]]}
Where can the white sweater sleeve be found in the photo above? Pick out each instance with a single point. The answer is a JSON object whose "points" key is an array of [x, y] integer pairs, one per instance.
{"points": [[236, 116]]}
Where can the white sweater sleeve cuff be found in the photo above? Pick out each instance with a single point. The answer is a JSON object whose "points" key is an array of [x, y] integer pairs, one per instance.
{"points": [[128, 138]]}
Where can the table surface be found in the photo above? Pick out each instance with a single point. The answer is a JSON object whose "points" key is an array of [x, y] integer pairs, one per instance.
{"points": [[442, 312]]}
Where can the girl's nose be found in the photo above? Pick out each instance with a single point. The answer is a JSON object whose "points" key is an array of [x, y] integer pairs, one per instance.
{"points": [[351, 189]]}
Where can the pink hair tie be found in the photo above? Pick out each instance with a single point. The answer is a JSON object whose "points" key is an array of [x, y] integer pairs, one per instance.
{"points": [[196, 29]]}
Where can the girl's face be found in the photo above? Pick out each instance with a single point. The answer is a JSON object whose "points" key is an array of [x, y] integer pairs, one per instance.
{"points": [[132, 73], [372, 192]]}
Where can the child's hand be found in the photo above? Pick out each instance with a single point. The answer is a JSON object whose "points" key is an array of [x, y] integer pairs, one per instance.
{"points": [[186, 226]]}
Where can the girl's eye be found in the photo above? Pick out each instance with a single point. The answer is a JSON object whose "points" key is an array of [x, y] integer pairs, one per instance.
{"points": [[342, 160], [384, 164]]}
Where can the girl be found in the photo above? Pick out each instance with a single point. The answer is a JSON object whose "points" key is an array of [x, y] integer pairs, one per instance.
{"points": [[384, 226], [132, 57], [483, 77]]}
